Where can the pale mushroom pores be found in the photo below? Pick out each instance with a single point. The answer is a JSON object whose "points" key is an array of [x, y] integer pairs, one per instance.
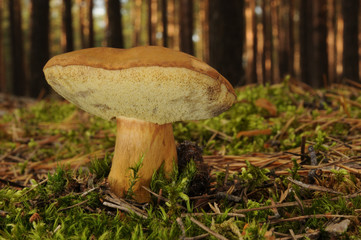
{"points": [[145, 89]]}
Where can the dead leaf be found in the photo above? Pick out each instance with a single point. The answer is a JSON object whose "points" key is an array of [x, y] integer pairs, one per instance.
{"points": [[336, 229], [256, 132], [265, 104]]}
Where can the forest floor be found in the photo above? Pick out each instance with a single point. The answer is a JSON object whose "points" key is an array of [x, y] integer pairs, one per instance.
{"points": [[283, 163]]}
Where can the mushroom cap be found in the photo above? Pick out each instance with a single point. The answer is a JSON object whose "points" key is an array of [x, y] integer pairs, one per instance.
{"points": [[149, 83]]}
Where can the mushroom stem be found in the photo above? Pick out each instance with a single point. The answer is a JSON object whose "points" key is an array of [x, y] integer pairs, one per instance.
{"points": [[136, 138]]}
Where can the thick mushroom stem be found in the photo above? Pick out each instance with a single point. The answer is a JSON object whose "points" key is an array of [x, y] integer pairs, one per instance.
{"points": [[136, 138]]}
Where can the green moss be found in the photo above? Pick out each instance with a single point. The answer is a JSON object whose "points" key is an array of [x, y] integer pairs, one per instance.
{"points": [[65, 213]]}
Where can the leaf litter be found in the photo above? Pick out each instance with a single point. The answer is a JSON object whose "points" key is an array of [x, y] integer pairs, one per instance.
{"points": [[282, 163]]}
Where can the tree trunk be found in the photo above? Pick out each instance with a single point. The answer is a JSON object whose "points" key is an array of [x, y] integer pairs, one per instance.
{"points": [[251, 42], [67, 41], [19, 81], [137, 22], [2, 67], [186, 26], [284, 48], [275, 29], [152, 21], [203, 16], [291, 39], [331, 38], [350, 58], [226, 38], [39, 50], [313, 41], [86, 23], [115, 30], [165, 22], [267, 64], [172, 26], [90, 4]]}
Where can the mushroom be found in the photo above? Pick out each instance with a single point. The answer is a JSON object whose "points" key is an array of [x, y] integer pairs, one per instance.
{"points": [[145, 89]]}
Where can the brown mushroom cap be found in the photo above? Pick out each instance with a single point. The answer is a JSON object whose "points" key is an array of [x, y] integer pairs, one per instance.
{"points": [[151, 83]]}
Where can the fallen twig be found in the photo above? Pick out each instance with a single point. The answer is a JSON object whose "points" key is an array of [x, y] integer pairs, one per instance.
{"points": [[207, 229], [75, 205], [197, 237], [181, 226], [212, 214], [311, 216], [122, 203], [301, 236], [161, 197], [291, 204], [124, 208], [312, 187], [35, 186]]}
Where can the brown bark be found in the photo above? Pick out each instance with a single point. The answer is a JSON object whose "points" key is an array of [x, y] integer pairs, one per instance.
{"points": [[172, 26], [350, 11], [284, 49], [39, 50], [19, 82], [67, 40], [291, 40], [82, 23], [137, 17], [186, 26], [90, 4], [152, 21], [313, 41], [251, 42], [2, 66], [331, 39], [267, 64], [165, 22], [226, 38], [86, 23], [275, 5], [203, 16], [114, 30]]}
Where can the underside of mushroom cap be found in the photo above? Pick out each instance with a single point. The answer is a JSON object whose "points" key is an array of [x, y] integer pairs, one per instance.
{"points": [[184, 88]]}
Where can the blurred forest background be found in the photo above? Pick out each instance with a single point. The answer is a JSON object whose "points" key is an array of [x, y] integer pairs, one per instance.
{"points": [[248, 41]]}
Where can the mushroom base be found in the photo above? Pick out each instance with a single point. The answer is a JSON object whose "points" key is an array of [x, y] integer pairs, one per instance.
{"points": [[136, 138]]}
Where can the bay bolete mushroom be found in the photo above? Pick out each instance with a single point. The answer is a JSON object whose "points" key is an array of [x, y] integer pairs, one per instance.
{"points": [[145, 89]]}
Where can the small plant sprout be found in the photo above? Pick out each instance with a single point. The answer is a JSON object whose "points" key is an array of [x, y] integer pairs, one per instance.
{"points": [[144, 89]]}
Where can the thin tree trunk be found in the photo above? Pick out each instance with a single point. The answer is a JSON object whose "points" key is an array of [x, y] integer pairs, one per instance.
{"points": [[90, 4], [313, 30], [331, 39], [67, 41], [291, 39], [39, 50], [165, 22], [203, 15], [19, 81], [285, 65], [251, 42], [226, 38], [2, 67], [137, 23], [115, 30], [172, 26], [82, 23], [86, 23], [339, 23], [267, 50], [186, 26], [274, 7], [350, 10], [152, 21]]}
